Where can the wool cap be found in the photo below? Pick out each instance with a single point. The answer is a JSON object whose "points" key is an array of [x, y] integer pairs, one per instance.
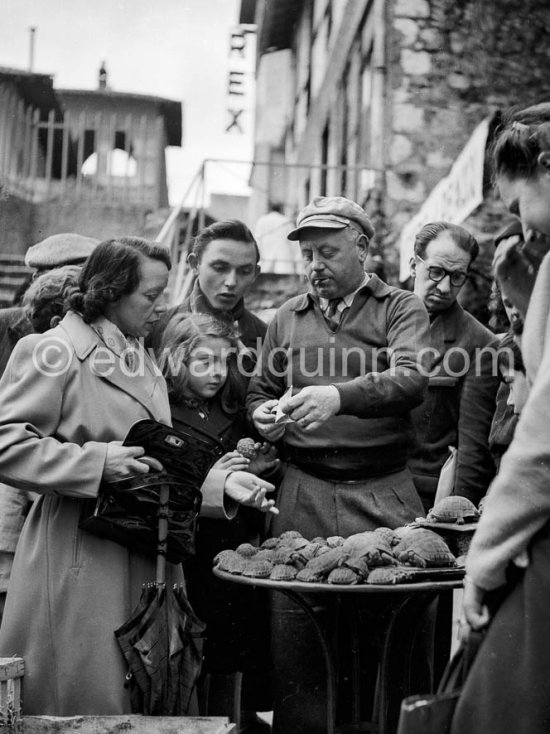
{"points": [[60, 249], [332, 212]]}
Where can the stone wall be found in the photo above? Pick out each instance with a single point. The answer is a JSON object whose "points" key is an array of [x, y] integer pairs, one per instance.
{"points": [[452, 63]]}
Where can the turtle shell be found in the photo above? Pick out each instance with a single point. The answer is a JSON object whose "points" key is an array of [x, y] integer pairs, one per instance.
{"points": [[424, 548], [290, 534], [453, 509], [283, 572], [307, 576], [224, 555], [247, 448], [235, 564], [318, 539], [324, 563], [389, 576], [334, 541], [270, 543], [387, 534], [258, 569], [372, 547], [264, 554], [343, 575], [293, 543], [282, 555], [357, 564], [246, 549]]}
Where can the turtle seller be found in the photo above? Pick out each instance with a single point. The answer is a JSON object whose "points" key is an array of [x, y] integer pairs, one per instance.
{"points": [[349, 351]]}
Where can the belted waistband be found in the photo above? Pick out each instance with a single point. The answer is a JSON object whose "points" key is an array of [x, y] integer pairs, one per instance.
{"points": [[346, 465]]}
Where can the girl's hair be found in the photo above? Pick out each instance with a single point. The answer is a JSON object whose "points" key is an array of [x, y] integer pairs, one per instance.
{"points": [[519, 139], [181, 335], [509, 353], [110, 272], [226, 229], [461, 237], [46, 295]]}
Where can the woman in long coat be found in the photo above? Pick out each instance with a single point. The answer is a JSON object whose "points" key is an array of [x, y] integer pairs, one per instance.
{"points": [[67, 400], [507, 688]]}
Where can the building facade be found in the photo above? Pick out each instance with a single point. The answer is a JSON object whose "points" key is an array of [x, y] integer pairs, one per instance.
{"points": [[376, 99]]}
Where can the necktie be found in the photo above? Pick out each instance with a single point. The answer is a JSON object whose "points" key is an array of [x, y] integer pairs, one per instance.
{"points": [[332, 314]]}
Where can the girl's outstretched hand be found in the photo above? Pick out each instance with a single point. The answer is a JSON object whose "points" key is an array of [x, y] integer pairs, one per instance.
{"points": [[247, 489], [233, 461]]}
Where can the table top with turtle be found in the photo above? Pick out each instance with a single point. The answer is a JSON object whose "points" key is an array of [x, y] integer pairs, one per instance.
{"points": [[381, 559]]}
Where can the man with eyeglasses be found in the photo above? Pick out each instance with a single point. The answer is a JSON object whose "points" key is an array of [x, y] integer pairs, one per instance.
{"points": [[460, 401]]}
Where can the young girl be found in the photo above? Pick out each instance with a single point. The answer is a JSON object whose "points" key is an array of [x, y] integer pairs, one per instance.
{"points": [[198, 356]]}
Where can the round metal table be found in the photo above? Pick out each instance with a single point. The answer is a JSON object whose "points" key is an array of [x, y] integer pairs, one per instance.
{"points": [[406, 605]]}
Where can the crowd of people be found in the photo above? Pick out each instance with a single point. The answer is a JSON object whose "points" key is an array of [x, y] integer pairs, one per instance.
{"points": [[359, 396]]}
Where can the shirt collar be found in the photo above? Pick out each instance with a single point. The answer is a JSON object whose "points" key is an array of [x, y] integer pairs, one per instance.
{"points": [[372, 285]]}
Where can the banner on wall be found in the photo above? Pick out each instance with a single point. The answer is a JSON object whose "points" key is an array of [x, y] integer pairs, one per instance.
{"points": [[453, 199]]}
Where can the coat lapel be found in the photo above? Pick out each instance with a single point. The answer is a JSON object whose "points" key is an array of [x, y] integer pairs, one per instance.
{"points": [[144, 382]]}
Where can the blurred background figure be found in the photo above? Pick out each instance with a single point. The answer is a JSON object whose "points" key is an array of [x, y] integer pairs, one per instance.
{"points": [[277, 253]]}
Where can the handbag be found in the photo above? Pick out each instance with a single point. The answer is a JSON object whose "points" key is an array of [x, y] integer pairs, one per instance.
{"points": [[433, 713], [126, 511]]}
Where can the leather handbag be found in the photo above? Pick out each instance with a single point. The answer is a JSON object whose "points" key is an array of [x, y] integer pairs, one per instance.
{"points": [[433, 713], [126, 511]]}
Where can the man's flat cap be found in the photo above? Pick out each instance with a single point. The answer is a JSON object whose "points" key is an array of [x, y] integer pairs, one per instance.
{"points": [[332, 212], [60, 249]]}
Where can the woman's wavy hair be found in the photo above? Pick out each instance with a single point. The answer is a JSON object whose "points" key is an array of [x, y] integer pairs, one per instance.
{"points": [[46, 296], [226, 229], [181, 335], [110, 272], [509, 353], [461, 237], [519, 138]]}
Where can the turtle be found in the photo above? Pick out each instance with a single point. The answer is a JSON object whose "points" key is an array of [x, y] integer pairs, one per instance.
{"points": [[319, 539], [372, 547], [293, 543], [233, 564], [324, 563], [357, 564], [283, 572], [282, 555], [270, 543], [301, 556], [453, 509], [247, 448], [424, 548], [258, 569], [387, 575], [307, 576], [246, 549], [343, 575], [224, 555], [264, 554], [333, 541], [290, 534], [387, 534]]}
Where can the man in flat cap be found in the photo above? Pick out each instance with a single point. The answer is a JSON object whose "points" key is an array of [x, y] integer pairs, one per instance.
{"points": [[338, 375]]}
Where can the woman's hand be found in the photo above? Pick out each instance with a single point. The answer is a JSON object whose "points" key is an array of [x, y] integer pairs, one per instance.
{"points": [[124, 461], [247, 489], [265, 459], [475, 612], [264, 421], [233, 461]]}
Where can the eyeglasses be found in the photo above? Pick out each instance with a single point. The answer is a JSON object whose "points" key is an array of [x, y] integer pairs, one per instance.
{"points": [[437, 273]]}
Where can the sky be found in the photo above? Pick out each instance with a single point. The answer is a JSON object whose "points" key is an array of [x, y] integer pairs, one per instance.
{"points": [[179, 49]]}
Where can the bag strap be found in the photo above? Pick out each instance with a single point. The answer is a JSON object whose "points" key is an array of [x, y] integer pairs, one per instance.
{"points": [[459, 665]]}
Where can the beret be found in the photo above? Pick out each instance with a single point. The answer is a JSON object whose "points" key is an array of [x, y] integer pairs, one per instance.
{"points": [[332, 212], [60, 249]]}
